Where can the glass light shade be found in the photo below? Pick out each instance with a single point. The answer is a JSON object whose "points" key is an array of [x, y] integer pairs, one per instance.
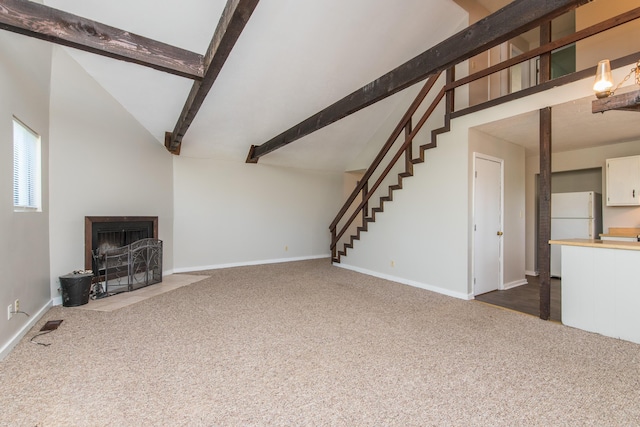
{"points": [[604, 81]]}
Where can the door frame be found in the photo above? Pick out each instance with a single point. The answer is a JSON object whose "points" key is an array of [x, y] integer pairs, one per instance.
{"points": [[482, 156]]}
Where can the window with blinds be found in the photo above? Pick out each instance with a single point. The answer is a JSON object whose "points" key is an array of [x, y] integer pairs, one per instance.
{"points": [[26, 168]]}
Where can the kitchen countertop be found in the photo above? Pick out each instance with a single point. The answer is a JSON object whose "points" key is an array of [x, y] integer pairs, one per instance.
{"points": [[592, 243]]}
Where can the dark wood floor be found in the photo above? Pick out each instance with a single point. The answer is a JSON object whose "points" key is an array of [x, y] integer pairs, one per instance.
{"points": [[526, 298]]}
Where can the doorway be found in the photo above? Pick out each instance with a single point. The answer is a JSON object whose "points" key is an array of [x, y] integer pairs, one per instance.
{"points": [[488, 208], [519, 73]]}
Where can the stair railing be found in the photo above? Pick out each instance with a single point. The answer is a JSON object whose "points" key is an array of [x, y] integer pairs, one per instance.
{"points": [[363, 187]]}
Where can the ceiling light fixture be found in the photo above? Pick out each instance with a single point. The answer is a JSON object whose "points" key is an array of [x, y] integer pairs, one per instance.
{"points": [[603, 87]]}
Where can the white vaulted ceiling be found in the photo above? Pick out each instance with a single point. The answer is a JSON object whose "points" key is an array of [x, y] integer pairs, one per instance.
{"points": [[293, 59]]}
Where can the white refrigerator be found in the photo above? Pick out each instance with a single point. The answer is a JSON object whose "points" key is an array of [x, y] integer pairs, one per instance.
{"points": [[573, 216]]}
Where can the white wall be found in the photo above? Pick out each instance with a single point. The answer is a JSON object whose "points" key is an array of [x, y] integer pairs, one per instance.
{"points": [[231, 213], [421, 238], [488, 87], [612, 44], [612, 216], [514, 201], [24, 236], [103, 163], [383, 129]]}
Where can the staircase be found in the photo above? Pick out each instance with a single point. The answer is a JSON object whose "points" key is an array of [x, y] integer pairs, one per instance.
{"points": [[355, 216]]}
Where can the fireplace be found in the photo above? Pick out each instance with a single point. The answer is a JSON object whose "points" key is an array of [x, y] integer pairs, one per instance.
{"points": [[110, 232], [123, 252]]}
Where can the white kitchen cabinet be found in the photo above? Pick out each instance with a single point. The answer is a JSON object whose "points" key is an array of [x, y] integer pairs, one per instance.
{"points": [[623, 181]]}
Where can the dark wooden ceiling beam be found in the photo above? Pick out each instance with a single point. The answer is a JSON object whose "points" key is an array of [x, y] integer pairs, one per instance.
{"points": [[515, 18], [629, 101], [56, 26], [235, 16]]}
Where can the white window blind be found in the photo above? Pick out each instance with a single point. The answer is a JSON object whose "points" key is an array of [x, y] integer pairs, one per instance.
{"points": [[26, 168]]}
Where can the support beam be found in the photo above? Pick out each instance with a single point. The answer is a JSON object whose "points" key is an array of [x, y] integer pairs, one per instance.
{"points": [[515, 18], [544, 214], [42, 22], [545, 58], [629, 101], [235, 16]]}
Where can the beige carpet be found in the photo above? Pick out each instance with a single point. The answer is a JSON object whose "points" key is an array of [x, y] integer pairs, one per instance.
{"points": [[306, 343]]}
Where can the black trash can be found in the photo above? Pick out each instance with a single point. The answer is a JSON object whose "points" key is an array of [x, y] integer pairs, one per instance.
{"points": [[75, 288]]}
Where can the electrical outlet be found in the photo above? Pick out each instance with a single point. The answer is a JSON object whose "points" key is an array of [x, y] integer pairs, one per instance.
{"points": [[16, 306], [9, 311]]}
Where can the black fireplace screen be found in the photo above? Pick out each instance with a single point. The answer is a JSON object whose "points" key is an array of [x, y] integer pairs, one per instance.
{"points": [[129, 267]]}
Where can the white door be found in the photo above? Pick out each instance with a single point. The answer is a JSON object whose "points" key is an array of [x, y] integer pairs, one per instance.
{"points": [[487, 227]]}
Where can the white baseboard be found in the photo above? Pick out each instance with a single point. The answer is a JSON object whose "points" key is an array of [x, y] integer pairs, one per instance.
{"points": [[530, 273], [514, 284], [246, 263], [413, 283], [6, 349]]}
